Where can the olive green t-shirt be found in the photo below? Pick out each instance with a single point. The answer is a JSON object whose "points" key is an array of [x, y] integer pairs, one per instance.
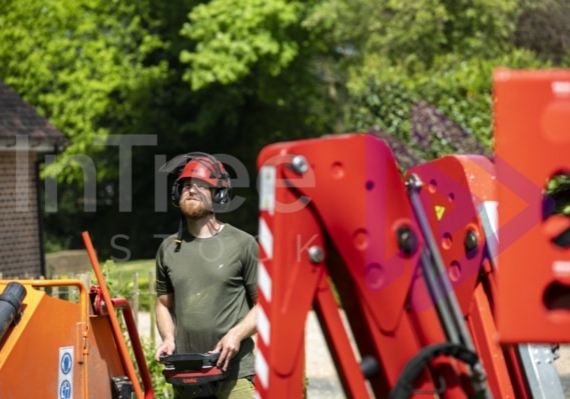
{"points": [[214, 282]]}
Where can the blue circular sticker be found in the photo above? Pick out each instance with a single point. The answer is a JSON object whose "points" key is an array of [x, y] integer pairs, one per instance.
{"points": [[66, 363], [65, 390]]}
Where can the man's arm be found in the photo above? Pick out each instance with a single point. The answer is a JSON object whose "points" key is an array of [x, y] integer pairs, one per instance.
{"points": [[165, 324], [230, 343]]}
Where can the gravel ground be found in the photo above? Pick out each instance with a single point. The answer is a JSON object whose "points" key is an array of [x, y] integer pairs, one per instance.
{"points": [[322, 376], [563, 367]]}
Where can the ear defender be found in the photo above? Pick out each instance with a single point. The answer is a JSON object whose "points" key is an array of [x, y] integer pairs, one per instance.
{"points": [[221, 194], [175, 193]]}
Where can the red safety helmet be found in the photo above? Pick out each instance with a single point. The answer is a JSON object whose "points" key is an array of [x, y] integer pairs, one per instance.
{"points": [[205, 168]]}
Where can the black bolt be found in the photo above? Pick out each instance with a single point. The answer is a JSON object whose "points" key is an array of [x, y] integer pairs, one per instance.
{"points": [[407, 240], [471, 241], [369, 366]]}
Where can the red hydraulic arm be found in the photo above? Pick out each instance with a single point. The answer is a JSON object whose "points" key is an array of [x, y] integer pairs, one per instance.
{"points": [[459, 195], [336, 208]]}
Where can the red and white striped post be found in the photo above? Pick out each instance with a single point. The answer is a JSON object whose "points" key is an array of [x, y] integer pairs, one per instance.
{"points": [[264, 281]]}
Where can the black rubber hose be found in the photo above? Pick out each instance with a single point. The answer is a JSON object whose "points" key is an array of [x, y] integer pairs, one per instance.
{"points": [[10, 303], [404, 387]]}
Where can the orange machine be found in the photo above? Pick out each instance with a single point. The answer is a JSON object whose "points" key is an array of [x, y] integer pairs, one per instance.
{"points": [[68, 349], [54, 348]]}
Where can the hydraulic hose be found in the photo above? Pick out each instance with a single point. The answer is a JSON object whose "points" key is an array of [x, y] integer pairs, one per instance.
{"points": [[404, 387], [10, 303], [442, 291]]}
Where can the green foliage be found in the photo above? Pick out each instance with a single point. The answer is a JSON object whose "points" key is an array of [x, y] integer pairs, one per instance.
{"points": [[452, 71], [258, 57], [120, 280], [416, 32], [124, 273], [162, 389], [78, 62], [53, 246], [460, 88], [117, 289], [231, 77], [558, 189], [543, 28], [232, 39]]}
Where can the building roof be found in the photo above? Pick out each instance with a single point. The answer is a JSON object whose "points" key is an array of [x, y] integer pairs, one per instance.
{"points": [[19, 119]]}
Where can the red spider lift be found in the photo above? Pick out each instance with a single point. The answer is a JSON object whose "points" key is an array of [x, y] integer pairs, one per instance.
{"points": [[414, 260]]}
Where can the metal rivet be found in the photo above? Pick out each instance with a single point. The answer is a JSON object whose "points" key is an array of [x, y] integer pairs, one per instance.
{"points": [[299, 164], [316, 254], [413, 182]]}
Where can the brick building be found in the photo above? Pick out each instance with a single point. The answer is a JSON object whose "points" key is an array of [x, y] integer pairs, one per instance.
{"points": [[24, 137]]}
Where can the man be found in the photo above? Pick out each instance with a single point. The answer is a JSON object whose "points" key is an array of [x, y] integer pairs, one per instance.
{"points": [[206, 279]]}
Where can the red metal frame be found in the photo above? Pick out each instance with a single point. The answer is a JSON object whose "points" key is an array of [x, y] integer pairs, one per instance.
{"points": [[136, 345], [116, 328], [532, 143], [457, 192], [454, 189], [132, 331], [348, 201]]}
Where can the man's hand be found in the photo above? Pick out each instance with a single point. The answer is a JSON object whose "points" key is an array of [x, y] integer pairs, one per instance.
{"points": [[228, 348], [166, 348], [230, 343]]}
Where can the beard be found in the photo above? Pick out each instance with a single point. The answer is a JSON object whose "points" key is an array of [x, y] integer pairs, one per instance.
{"points": [[194, 209]]}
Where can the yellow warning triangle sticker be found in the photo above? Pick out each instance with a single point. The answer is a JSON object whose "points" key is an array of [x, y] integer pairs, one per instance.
{"points": [[439, 211]]}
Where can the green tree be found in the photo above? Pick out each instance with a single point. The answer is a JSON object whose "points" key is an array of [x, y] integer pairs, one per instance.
{"points": [[82, 64], [119, 68], [230, 77], [79, 63], [543, 28], [438, 51], [232, 40], [262, 51], [259, 75]]}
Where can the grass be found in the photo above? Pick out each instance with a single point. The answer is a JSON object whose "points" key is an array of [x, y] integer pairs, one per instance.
{"points": [[126, 270], [119, 279]]}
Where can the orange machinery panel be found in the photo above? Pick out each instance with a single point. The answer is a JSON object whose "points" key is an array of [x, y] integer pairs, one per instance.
{"points": [[532, 145], [57, 349]]}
